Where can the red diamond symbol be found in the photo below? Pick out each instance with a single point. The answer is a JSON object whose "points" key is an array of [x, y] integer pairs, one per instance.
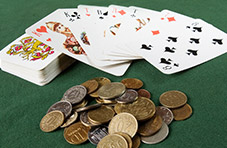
{"points": [[156, 32], [171, 19], [122, 12]]}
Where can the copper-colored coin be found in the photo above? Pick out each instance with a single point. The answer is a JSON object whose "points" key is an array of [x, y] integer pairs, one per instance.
{"points": [[182, 113], [70, 120], [99, 100], [113, 141], [165, 113], [111, 90], [136, 141], [64, 106], [144, 93], [132, 83], [51, 121], [143, 108], [123, 122], [86, 108], [91, 85], [75, 94], [76, 133], [173, 99], [83, 103], [101, 81], [102, 114], [129, 96], [84, 120], [127, 138], [151, 126]]}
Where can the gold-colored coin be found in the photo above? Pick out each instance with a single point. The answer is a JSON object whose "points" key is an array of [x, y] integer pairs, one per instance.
{"points": [[143, 108], [101, 81], [91, 85], [99, 100], [113, 141], [51, 121], [76, 133], [70, 120], [136, 141], [127, 138], [123, 122], [151, 126], [111, 90], [102, 114], [132, 83], [173, 99], [81, 104], [182, 113]]}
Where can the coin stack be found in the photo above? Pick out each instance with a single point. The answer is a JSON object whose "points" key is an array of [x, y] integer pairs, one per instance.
{"points": [[123, 116]]}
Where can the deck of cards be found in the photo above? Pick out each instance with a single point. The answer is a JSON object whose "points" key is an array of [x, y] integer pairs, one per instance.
{"points": [[109, 38]]}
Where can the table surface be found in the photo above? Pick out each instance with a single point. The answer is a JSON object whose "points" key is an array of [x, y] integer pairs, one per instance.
{"points": [[23, 104]]}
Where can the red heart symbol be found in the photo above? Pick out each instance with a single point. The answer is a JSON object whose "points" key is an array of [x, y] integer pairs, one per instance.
{"points": [[49, 39], [42, 29], [88, 14]]}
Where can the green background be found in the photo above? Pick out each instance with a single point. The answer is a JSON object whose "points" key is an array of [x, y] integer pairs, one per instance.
{"points": [[23, 104]]}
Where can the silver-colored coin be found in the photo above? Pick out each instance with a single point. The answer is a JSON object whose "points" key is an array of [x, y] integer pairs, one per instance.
{"points": [[64, 106], [129, 96], [97, 133], [165, 113], [84, 120], [158, 137], [75, 94], [93, 106]]}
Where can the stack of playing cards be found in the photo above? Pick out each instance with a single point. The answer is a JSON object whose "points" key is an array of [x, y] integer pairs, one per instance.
{"points": [[109, 38]]}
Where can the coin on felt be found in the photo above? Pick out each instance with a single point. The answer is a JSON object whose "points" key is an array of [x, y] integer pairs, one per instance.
{"points": [[51, 121], [70, 120], [111, 90], [84, 120], [182, 113], [165, 113], [101, 81], [143, 108], [86, 108], [123, 122], [127, 138], [144, 93], [102, 114], [132, 83], [157, 137], [64, 106], [173, 99], [97, 133], [76, 133], [151, 126], [136, 141], [91, 85], [129, 96], [75, 94], [113, 141]]}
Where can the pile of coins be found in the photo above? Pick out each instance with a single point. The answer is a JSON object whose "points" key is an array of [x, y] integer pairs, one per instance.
{"points": [[123, 116]]}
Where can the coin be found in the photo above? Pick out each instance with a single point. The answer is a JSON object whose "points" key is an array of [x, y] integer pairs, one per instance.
{"points": [[111, 90], [64, 106], [182, 113], [84, 120], [165, 113], [101, 81], [132, 83], [143, 108], [127, 138], [51, 121], [102, 114], [158, 137], [70, 120], [144, 93], [81, 104], [93, 106], [99, 100], [76, 133], [151, 126], [129, 96], [91, 85], [97, 133], [123, 122], [75, 94], [173, 99], [113, 141], [136, 141]]}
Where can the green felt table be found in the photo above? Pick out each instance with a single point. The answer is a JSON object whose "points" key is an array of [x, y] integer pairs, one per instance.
{"points": [[23, 104]]}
